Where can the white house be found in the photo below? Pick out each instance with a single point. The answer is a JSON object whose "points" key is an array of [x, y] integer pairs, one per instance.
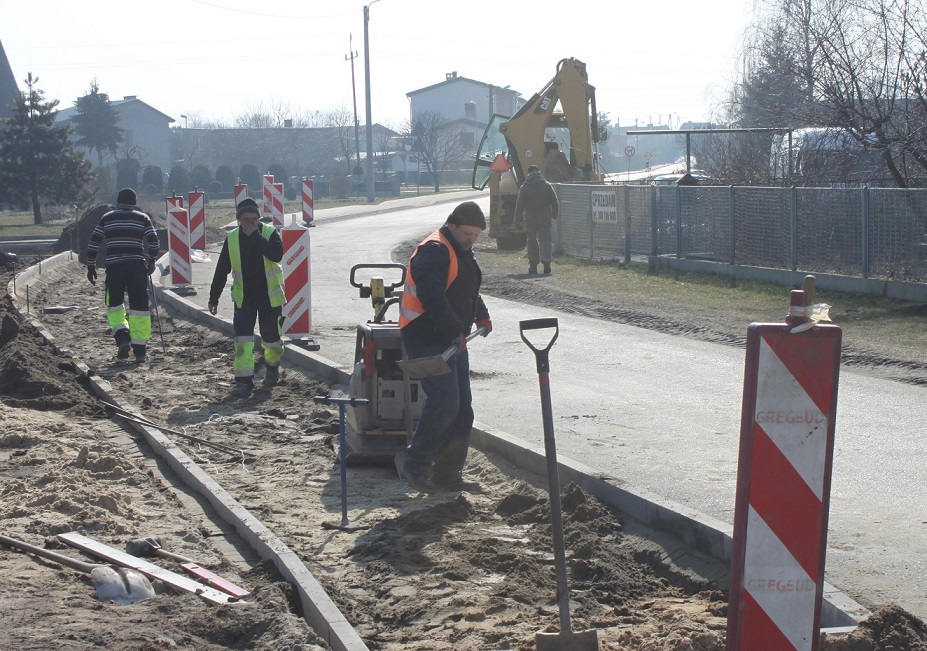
{"points": [[467, 104]]}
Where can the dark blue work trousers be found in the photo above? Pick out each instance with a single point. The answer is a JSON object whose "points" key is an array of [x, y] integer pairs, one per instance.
{"points": [[442, 435]]}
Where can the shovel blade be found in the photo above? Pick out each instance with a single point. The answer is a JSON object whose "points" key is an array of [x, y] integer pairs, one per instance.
{"points": [[424, 366], [575, 641], [121, 585]]}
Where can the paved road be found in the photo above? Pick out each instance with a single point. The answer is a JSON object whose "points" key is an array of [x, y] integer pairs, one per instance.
{"points": [[652, 411]]}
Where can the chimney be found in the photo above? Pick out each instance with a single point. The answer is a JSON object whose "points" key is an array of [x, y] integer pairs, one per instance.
{"points": [[127, 97], [450, 75]]}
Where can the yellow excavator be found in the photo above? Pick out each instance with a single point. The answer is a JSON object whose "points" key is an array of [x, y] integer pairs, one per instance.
{"points": [[556, 130]]}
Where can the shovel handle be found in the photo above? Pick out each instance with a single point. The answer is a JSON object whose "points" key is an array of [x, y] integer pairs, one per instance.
{"points": [[452, 349], [540, 324]]}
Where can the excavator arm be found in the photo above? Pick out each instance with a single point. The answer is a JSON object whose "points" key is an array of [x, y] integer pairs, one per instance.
{"points": [[556, 130]]}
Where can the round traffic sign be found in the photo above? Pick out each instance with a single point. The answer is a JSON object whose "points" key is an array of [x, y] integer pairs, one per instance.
{"points": [[629, 151]]}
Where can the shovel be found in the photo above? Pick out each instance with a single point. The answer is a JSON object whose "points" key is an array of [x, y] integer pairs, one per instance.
{"points": [[121, 585], [436, 364], [566, 639]]}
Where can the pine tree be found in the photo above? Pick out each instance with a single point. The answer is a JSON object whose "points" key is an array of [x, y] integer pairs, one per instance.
{"points": [[96, 126], [37, 159]]}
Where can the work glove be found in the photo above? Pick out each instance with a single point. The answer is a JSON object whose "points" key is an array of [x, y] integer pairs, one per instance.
{"points": [[485, 322], [92, 274], [151, 267], [461, 343]]}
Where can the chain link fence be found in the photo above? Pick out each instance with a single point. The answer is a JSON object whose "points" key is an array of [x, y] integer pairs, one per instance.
{"points": [[864, 232]]}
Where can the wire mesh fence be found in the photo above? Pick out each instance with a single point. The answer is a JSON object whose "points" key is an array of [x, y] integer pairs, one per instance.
{"points": [[867, 232]]}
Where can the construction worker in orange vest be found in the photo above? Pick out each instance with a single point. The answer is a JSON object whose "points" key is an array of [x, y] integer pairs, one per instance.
{"points": [[440, 302]]}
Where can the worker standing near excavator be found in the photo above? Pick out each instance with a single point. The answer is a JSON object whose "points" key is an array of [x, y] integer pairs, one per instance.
{"points": [[537, 204], [252, 254], [440, 302]]}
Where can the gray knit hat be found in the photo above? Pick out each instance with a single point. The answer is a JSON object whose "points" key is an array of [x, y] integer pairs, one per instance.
{"points": [[126, 197], [247, 205]]}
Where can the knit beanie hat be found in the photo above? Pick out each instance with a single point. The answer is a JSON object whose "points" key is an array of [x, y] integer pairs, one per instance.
{"points": [[126, 197], [246, 205], [468, 214]]}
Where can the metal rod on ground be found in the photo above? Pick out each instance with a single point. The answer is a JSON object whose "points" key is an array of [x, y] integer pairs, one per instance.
{"points": [[135, 418], [342, 448], [566, 639], [154, 298]]}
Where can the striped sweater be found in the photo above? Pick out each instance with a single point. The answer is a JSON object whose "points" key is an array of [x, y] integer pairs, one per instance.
{"points": [[130, 236]]}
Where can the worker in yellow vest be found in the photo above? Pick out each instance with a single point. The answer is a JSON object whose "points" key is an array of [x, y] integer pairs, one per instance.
{"points": [[440, 303], [252, 254]]}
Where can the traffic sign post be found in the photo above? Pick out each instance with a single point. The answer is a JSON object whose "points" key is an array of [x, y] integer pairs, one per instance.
{"points": [[629, 151], [297, 278]]}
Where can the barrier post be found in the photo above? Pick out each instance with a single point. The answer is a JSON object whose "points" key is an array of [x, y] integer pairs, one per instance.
{"points": [[297, 277], [197, 214], [178, 229], [276, 204], [172, 201], [783, 481], [241, 192], [308, 209], [267, 191]]}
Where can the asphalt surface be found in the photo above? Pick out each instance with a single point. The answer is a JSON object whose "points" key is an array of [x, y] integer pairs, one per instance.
{"points": [[652, 412]]}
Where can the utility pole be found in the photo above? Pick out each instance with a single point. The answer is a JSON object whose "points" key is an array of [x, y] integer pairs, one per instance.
{"points": [[371, 188], [350, 57]]}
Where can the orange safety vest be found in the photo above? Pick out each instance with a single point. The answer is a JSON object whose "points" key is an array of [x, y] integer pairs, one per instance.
{"points": [[411, 307]]}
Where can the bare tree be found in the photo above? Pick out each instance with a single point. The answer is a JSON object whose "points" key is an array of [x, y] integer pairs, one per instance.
{"points": [[341, 123], [436, 143]]}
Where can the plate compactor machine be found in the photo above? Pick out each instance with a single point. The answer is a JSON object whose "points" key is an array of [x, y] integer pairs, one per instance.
{"points": [[377, 431]]}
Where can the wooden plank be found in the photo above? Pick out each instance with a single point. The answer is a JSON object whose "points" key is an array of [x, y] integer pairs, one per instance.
{"points": [[150, 570], [209, 578]]}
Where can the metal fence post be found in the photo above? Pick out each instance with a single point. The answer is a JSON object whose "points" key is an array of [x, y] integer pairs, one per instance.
{"points": [[591, 223], [678, 221], [654, 230], [627, 224], [793, 226], [865, 226], [733, 228]]}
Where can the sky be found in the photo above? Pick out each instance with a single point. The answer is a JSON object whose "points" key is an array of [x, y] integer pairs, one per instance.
{"points": [[215, 59]]}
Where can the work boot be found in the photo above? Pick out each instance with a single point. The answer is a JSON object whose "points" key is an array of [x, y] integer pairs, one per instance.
{"points": [[271, 376], [417, 480], [533, 270], [241, 390], [141, 357], [124, 342], [547, 268]]}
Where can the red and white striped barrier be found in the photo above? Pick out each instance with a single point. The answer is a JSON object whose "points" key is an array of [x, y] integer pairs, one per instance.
{"points": [[276, 204], [178, 229], [172, 201], [308, 209], [197, 214], [241, 193], [267, 190], [297, 280], [783, 484]]}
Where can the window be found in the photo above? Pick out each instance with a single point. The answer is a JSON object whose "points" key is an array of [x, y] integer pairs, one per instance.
{"points": [[470, 110]]}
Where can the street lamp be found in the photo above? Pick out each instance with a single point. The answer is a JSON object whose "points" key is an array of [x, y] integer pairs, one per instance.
{"points": [[371, 195], [184, 121]]}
